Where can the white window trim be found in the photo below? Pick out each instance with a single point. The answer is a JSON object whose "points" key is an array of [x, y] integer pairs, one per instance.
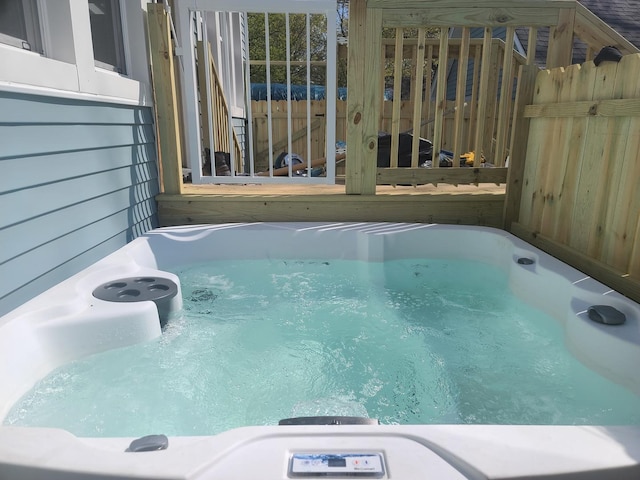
{"points": [[68, 69]]}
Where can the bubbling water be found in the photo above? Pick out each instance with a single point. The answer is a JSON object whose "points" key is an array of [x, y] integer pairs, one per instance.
{"points": [[408, 342]]}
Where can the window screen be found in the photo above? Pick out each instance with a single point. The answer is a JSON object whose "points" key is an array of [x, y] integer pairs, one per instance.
{"points": [[19, 24], [106, 31]]}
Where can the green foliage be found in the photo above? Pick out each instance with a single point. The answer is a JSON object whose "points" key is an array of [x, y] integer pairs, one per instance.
{"points": [[278, 46]]}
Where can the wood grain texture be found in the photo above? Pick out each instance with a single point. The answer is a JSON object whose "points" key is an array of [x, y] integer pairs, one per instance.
{"points": [[468, 16], [164, 86]]}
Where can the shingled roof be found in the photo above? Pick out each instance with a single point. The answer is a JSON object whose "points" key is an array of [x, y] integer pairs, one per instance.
{"points": [[623, 16]]}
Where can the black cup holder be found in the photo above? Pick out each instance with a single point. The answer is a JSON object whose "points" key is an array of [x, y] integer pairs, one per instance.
{"points": [[140, 289]]}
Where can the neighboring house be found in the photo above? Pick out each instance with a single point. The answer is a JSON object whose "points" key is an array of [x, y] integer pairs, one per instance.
{"points": [[475, 33], [78, 162]]}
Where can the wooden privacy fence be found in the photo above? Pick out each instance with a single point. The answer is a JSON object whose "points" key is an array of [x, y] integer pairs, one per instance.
{"points": [[580, 197]]}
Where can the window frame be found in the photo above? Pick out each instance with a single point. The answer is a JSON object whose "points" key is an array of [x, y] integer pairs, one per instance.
{"points": [[69, 63]]}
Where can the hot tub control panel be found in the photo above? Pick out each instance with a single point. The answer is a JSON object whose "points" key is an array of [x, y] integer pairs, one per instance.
{"points": [[366, 465]]}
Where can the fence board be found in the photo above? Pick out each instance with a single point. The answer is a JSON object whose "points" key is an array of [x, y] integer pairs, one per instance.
{"points": [[609, 179], [592, 162], [581, 89], [534, 166], [580, 184], [556, 149], [621, 244]]}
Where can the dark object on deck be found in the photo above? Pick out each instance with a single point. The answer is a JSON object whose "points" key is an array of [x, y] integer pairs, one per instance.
{"points": [[606, 315], [329, 420], [405, 147], [608, 54], [150, 443], [222, 162]]}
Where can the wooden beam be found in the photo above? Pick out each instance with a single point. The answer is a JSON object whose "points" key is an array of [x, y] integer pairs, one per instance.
{"points": [[417, 97], [460, 208], [164, 86], [532, 43], [441, 95], [461, 94], [205, 98], [470, 16], [506, 91], [450, 176], [479, 4], [364, 100], [479, 139], [297, 135], [397, 99], [560, 49], [284, 171], [519, 139], [589, 108]]}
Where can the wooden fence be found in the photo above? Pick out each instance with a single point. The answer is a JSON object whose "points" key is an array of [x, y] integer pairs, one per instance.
{"points": [[580, 197]]}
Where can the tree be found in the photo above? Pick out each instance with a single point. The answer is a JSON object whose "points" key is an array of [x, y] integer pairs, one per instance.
{"points": [[278, 47]]}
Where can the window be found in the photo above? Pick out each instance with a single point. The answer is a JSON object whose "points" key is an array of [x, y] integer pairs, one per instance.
{"points": [[92, 49], [19, 25], [106, 32]]}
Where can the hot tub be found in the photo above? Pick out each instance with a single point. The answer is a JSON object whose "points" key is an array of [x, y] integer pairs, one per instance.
{"points": [[71, 321]]}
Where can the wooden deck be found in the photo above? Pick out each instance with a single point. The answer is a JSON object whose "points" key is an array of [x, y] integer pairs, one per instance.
{"points": [[464, 204]]}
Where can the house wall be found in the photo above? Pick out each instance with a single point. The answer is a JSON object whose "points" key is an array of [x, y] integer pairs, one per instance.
{"points": [[77, 181]]}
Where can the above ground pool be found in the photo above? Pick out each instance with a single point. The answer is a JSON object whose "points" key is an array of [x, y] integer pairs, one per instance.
{"points": [[314, 350]]}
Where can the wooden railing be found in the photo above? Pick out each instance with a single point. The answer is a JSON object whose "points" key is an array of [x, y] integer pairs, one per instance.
{"points": [[487, 131], [214, 111], [399, 114], [484, 101], [479, 119]]}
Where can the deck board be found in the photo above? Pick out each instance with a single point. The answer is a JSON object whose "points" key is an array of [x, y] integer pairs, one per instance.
{"points": [[465, 204]]}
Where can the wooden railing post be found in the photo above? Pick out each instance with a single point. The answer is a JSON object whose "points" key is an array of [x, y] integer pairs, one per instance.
{"points": [[561, 39], [166, 103], [519, 140], [364, 101]]}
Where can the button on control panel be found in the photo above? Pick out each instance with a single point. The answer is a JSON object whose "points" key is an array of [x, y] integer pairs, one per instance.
{"points": [[366, 465]]}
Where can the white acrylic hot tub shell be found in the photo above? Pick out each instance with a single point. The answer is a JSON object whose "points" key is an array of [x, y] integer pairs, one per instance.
{"points": [[67, 322]]}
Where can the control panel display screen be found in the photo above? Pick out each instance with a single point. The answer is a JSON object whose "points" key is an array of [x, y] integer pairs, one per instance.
{"points": [[366, 465]]}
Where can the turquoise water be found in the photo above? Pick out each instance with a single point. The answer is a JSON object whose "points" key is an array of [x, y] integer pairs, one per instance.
{"points": [[407, 342]]}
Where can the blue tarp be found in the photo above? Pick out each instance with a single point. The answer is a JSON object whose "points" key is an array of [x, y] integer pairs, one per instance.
{"points": [[298, 92]]}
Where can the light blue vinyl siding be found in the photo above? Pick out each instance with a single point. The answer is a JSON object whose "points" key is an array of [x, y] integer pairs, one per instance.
{"points": [[77, 181]]}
